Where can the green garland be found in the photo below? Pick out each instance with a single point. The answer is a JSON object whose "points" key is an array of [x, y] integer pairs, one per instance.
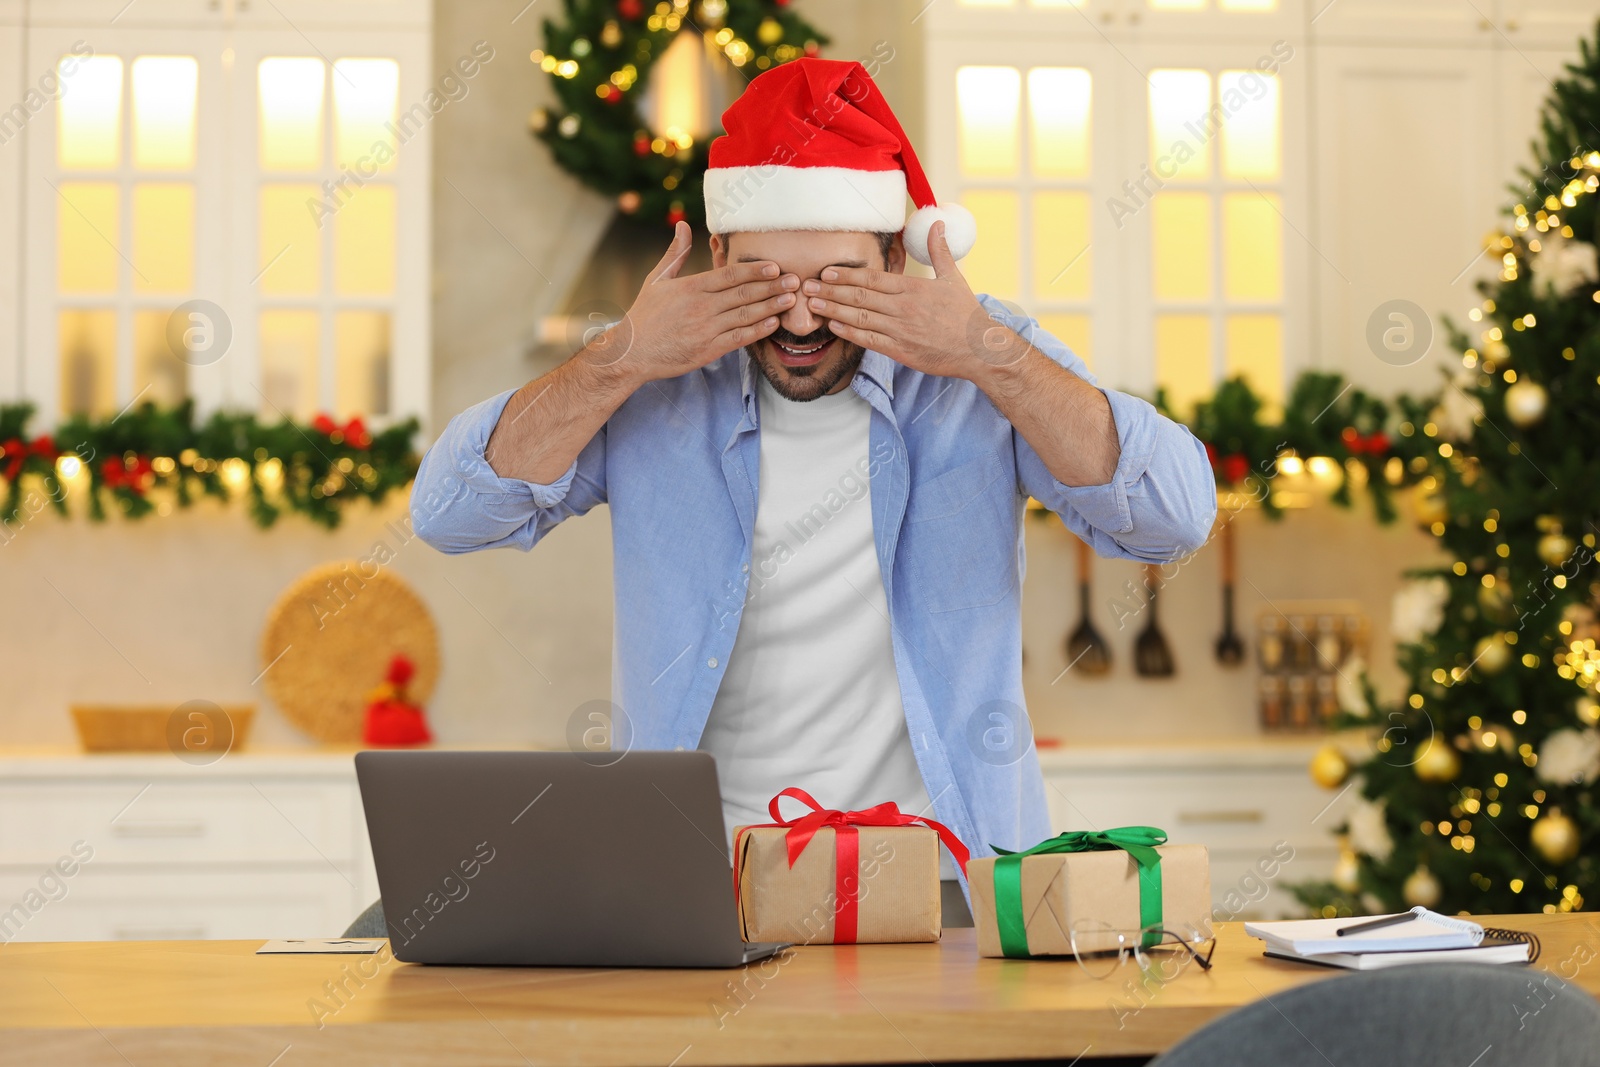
{"points": [[599, 59], [314, 470], [1323, 416]]}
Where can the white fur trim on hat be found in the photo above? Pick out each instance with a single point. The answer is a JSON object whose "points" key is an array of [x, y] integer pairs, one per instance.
{"points": [[960, 231], [765, 198]]}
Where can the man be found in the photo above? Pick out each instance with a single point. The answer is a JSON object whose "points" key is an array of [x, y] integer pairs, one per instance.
{"points": [[816, 468]]}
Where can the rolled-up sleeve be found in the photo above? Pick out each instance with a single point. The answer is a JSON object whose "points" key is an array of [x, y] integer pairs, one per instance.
{"points": [[1162, 499], [459, 504]]}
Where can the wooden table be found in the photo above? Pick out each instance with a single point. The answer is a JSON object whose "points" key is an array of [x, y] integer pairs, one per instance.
{"points": [[202, 1002]]}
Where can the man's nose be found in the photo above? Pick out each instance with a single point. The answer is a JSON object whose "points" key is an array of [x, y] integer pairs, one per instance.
{"points": [[800, 320]]}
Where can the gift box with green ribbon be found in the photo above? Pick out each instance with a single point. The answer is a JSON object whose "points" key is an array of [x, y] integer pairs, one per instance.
{"points": [[1097, 884]]}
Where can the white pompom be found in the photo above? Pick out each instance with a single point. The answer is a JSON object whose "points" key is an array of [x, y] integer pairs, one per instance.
{"points": [[960, 231]]}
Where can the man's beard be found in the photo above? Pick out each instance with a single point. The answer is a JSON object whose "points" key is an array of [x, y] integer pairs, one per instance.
{"points": [[811, 381]]}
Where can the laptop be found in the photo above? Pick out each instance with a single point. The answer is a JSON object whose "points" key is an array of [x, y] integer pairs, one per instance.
{"points": [[553, 858]]}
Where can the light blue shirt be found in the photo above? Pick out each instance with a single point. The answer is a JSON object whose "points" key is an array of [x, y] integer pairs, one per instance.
{"points": [[678, 465]]}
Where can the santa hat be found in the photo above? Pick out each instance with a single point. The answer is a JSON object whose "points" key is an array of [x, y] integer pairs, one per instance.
{"points": [[813, 145]]}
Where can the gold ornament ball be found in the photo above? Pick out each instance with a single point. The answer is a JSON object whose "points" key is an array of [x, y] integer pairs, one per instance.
{"points": [[1555, 548], [1556, 837], [769, 32], [1526, 402], [1588, 711], [538, 120], [1438, 762], [1497, 352], [628, 202], [611, 34], [1347, 872], [1421, 889], [1427, 506], [1329, 768], [1491, 655]]}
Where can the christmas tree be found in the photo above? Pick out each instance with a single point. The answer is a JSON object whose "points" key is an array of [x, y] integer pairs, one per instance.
{"points": [[1476, 791]]}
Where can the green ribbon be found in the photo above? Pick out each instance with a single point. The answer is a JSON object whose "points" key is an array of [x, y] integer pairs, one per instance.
{"points": [[1138, 842]]}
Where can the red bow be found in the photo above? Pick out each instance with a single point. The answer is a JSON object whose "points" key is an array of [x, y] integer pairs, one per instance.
{"points": [[847, 847], [15, 451], [353, 433], [1374, 444], [119, 473], [1234, 467]]}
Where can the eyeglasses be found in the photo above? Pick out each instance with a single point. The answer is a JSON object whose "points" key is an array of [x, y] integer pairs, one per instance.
{"points": [[1101, 948]]}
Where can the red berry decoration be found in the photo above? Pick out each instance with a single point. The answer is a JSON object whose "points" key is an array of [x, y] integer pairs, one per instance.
{"points": [[630, 9], [641, 146], [675, 214], [613, 94]]}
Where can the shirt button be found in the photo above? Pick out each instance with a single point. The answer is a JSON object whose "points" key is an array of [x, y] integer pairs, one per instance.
{"points": [[744, 568], [712, 662]]}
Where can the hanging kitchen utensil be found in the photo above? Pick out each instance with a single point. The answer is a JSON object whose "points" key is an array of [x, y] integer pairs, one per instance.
{"points": [[1152, 658], [1230, 648], [1087, 651]]}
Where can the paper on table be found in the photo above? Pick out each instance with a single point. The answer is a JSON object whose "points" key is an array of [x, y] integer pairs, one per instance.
{"points": [[355, 946], [1313, 937]]}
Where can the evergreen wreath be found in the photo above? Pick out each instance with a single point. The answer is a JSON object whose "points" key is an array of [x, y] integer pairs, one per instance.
{"points": [[600, 55]]}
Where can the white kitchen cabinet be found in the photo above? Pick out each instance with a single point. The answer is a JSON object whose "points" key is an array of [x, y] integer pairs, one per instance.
{"points": [[254, 846], [1248, 803]]}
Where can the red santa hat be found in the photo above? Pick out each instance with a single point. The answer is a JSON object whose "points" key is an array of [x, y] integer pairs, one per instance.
{"points": [[812, 145]]}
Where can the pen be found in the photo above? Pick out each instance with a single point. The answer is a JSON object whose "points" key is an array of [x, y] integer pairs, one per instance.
{"points": [[1375, 924]]}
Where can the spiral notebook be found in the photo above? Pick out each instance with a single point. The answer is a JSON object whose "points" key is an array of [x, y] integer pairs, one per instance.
{"points": [[1427, 937]]}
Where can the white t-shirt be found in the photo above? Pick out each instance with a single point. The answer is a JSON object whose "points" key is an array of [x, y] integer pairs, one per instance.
{"points": [[810, 697]]}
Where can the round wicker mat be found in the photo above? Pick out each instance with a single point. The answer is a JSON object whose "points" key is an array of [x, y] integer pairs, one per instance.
{"points": [[328, 641]]}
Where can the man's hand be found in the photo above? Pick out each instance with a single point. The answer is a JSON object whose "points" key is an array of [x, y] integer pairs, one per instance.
{"points": [[677, 325], [934, 325]]}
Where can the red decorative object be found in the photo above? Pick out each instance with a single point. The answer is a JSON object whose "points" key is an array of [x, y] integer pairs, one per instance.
{"points": [[847, 847], [675, 215], [353, 433], [1232, 468], [641, 145], [630, 9], [1375, 444], [121, 474], [391, 717], [16, 451], [613, 95], [812, 50]]}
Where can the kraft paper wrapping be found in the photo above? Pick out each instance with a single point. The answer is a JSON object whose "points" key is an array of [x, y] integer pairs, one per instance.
{"points": [[1098, 888], [898, 891]]}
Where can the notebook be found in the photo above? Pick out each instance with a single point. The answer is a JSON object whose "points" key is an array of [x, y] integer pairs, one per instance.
{"points": [[1313, 937], [1521, 948]]}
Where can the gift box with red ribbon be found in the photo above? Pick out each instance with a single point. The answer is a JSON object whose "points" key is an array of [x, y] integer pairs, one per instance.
{"points": [[840, 877]]}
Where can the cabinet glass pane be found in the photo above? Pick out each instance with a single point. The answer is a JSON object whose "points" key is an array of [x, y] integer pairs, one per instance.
{"points": [[989, 99], [87, 351], [89, 114], [1183, 359], [1070, 330], [1255, 350], [1252, 247], [289, 344], [163, 237], [1061, 251], [365, 92], [165, 89], [1251, 147], [991, 266], [1178, 5], [364, 243], [1180, 144], [291, 95], [158, 374], [1249, 5], [87, 225], [290, 247], [1058, 114], [361, 359], [1181, 261], [987, 3]]}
